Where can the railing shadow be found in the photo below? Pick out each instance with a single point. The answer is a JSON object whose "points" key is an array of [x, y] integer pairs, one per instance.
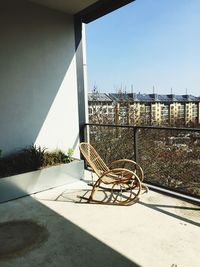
{"points": [[158, 208]]}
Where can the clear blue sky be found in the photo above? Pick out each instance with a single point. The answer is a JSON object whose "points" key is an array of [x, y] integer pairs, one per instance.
{"points": [[146, 43]]}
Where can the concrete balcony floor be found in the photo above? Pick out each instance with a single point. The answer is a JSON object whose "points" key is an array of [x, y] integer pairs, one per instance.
{"points": [[158, 231]]}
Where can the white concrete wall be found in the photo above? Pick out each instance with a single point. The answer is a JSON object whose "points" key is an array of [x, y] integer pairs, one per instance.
{"points": [[38, 83]]}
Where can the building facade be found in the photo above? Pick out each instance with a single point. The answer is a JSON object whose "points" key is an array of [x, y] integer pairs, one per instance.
{"points": [[148, 109], [101, 108]]}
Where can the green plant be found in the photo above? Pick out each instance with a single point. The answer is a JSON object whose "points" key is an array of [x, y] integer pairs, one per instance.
{"points": [[32, 158], [58, 157], [70, 153]]}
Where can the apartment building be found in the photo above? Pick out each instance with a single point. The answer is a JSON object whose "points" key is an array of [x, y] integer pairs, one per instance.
{"points": [[150, 109], [101, 108]]}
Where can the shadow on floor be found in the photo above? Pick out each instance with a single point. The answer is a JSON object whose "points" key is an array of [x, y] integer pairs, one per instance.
{"points": [[67, 245], [159, 208]]}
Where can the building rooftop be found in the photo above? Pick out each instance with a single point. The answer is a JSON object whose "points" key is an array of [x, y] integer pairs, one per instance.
{"points": [[99, 97], [154, 97]]}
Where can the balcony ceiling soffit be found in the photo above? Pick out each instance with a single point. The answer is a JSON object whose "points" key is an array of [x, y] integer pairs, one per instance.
{"points": [[69, 7]]}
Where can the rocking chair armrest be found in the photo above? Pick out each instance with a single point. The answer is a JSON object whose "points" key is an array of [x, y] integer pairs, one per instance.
{"points": [[141, 176], [112, 174]]}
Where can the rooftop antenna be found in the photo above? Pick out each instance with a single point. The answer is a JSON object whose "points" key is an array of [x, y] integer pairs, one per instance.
{"points": [[94, 89], [121, 87], [171, 91], [186, 91], [116, 89], [153, 89], [132, 90]]}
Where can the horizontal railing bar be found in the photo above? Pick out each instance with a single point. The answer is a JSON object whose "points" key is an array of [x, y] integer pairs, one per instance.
{"points": [[144, 127], [195, 200]]}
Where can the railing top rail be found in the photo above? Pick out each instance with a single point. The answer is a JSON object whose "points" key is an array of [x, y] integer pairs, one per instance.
{"points": [[144, 127]]}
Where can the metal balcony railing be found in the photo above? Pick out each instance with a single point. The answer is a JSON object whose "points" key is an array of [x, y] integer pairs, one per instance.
{"points": [[169, 156]]}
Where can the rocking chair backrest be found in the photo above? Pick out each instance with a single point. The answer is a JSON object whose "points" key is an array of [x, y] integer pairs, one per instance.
{"points": [[93, 158]]}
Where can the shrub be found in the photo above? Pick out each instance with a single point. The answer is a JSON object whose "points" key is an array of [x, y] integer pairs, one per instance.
{"points": [[30, 159]]}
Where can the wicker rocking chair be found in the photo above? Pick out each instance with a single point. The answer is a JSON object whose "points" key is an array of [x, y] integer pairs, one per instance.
{"points": [[124, 185]]}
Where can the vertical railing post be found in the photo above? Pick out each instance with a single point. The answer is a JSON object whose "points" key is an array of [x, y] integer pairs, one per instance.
{"points": [[135, 131], [82, 133], [83, 138], [86, 139]]}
